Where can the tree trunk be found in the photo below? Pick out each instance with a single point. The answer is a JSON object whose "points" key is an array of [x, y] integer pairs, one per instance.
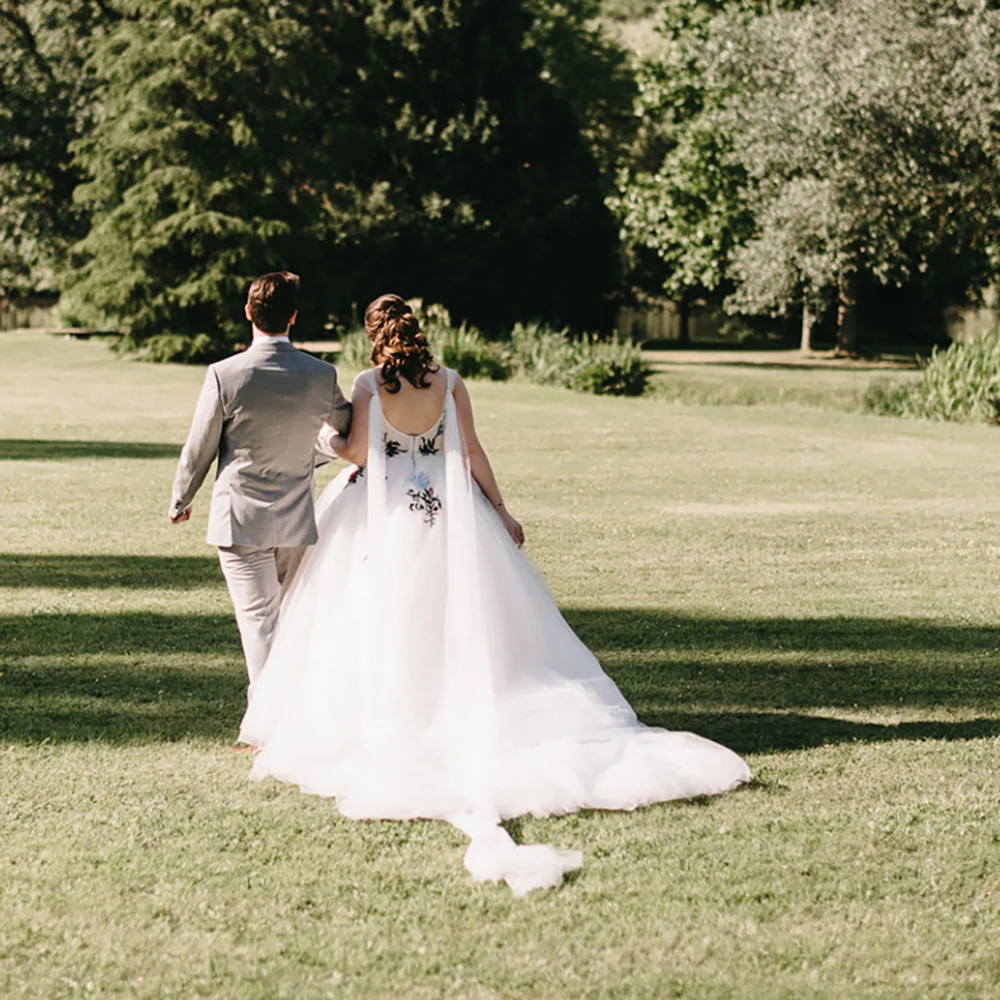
{"points": [[847, 313], [807, 327], [684, 319]]}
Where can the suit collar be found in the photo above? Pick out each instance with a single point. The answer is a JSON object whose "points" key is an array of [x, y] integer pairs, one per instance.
{"points": [[272, 345]]}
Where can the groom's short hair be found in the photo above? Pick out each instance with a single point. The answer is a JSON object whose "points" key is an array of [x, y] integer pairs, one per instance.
{"points": [[273, 300]]}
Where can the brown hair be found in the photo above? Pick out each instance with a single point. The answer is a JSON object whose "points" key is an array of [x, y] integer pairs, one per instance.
{"points": [[398, 343], [273, 300]]}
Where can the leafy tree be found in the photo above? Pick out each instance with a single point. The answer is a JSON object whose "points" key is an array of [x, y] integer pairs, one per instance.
{"points": [[195, 166], [681, 200], [590, 72], [865, 158], [45, 98], [791, 153], [406, 144]]}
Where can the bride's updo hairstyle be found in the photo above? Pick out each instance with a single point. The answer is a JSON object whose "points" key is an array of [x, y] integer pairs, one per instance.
{"points": [[398, 343]]}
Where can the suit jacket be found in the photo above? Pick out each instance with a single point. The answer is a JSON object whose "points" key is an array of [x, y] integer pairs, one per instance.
{"points": [[260, 413]]}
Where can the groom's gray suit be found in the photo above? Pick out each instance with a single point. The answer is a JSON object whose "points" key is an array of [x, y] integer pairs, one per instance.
{"points": [[260, 413]]}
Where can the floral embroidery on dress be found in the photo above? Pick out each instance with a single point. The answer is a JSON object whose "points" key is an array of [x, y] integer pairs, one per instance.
{"points": [[423, 498], [357, 474], [428, 445], [392, 447]]}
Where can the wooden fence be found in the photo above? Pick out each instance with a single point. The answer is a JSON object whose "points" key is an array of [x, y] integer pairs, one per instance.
{"points": [[663, 322]]}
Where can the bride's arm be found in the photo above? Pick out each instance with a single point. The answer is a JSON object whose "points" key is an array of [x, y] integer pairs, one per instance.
{"points": [[479, 464], [353, 448]]}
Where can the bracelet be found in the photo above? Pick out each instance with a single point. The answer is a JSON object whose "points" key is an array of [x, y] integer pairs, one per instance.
{"points": [[497, 506]]}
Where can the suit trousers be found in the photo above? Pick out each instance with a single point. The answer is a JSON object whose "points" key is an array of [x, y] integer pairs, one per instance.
{"points": [[258, 579]]}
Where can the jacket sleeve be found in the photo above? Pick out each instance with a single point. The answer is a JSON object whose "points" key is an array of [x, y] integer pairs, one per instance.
{"points": [[202, 445], [340, 411]]}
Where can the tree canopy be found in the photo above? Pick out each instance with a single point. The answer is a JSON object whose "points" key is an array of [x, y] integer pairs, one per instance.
{"points": [[505, 158], [457, 151], [806, 146], [852, 124], [45, 98]]}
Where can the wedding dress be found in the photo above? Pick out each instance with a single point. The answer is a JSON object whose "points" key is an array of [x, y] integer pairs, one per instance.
{"points": [[422, 669]]}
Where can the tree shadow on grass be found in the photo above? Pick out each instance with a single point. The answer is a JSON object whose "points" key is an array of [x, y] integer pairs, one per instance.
{"points": [[756, 685], [666, 660], [123, 633], [139, 703], [120, 678], [94, 572], [773, 732], [31, 450], [753, 684]]}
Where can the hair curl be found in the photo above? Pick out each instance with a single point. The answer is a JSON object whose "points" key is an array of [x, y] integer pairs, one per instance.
{"points": [[398, 343]]}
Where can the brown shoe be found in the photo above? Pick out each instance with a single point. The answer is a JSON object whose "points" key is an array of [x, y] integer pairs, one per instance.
{"points": [[244, 748]]}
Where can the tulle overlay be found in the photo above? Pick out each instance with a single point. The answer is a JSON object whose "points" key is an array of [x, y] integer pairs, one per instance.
{"points": [[422, 669]]}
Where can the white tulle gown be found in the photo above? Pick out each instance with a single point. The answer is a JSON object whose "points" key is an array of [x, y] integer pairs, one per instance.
{"points": [[422, 669]]}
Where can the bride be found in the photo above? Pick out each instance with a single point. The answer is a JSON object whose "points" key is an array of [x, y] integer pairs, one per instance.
{"points": [[422, 669]]}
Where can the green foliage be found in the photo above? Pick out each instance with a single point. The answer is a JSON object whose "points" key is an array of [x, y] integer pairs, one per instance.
{"points": [[681, 201], [461, 346], [586, 364], [628, 10], [533, 353], [457, 346], [886, 397], [590, 72], [186, 203], [860, 161], [961, 383], [238, 138], [199, 349], [608, 368], [469, 353], [46, 97], [541, 355], [781, 161], [355, 350]]}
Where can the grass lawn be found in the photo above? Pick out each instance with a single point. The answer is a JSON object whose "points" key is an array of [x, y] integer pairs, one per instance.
{"points": [[814, 587]]}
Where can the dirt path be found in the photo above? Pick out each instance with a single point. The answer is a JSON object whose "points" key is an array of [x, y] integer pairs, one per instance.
{"points": [[665, 360]]}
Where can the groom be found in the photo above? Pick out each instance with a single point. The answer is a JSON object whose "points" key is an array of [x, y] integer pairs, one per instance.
{"points": [[260, 414]]}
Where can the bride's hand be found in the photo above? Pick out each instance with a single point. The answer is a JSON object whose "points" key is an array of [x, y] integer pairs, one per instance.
{"points": [[513, 527]]}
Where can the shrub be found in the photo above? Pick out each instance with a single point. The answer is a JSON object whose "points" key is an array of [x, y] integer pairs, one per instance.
{"points": [[960, 383], [355, 350], [608, 368], [540, 354], [551, 357], [886, 397], [468, 352], [460, 347], [535, 353]]}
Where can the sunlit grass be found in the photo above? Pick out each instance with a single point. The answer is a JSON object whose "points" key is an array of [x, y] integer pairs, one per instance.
{"points": [[816, 588]]}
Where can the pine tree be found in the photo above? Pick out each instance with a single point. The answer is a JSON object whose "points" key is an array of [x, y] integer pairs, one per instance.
{"points": [[46, 94], [410, 145]]}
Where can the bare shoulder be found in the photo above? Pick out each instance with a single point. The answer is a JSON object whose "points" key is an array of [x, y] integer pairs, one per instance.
{"points": [[438, 382], [439, 377]]}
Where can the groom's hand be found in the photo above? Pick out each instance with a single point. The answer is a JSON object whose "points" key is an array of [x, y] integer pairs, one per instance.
{"points": [[184, 515]]}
